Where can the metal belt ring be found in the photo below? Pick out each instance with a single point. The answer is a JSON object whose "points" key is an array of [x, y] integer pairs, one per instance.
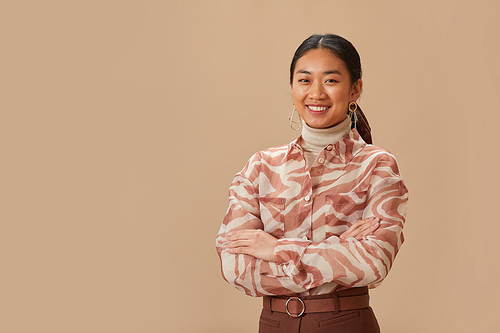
{"points": [[303, 307]]}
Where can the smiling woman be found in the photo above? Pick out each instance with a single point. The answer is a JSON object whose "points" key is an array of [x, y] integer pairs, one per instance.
{"points": [[314, 224], [322, 88]]}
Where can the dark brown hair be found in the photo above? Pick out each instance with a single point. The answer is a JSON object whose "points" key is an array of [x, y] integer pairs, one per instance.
{"points": [[338, 45]]}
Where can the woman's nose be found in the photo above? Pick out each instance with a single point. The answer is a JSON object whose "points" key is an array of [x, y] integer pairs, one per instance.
{"points": [[316, 91]]}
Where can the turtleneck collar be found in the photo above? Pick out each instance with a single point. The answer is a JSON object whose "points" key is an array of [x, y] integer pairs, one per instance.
{"points": [[316, 139]]}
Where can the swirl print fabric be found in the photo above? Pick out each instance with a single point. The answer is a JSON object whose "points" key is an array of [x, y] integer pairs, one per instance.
{"points": [[307, 210]]}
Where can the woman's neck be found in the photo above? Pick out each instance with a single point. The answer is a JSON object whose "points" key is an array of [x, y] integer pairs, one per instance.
{"points": [[314, 140], [322, 137]]}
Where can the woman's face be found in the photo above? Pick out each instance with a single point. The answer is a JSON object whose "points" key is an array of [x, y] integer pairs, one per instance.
{"points": [[322, 89]]}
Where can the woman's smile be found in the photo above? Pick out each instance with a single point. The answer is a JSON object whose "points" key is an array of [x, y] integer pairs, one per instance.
{"points": [[317, 109], [322, 88]]}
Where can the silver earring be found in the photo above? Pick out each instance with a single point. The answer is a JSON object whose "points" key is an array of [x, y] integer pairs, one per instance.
{"points": [[353, 107], [290, 118]]}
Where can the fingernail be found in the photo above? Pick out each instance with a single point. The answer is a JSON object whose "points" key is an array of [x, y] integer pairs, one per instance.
{"points": [[229, 234]]}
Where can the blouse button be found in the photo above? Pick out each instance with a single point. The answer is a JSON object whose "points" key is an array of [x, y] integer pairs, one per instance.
{"points": [[329, 147], [307, 198], [321, 160]]}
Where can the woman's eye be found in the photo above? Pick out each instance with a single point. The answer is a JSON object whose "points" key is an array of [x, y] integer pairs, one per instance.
{"points": [[331, 81], [303, 80]]}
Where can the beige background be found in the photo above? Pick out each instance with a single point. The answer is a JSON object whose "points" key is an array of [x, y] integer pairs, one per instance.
{"points": [[124, 122]]}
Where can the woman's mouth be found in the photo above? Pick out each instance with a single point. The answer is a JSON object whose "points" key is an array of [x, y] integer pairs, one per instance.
{"points": [[317, 109]]}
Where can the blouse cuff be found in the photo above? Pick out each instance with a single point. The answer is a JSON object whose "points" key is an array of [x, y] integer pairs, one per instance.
{"points": [[288, 253]]}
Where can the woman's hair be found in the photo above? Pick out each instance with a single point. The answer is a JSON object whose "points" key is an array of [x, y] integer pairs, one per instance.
{"points": [[340, 46]]}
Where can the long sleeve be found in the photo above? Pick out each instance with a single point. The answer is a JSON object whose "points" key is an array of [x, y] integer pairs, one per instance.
{"points": [[254, 277], [307, 210], [353, 263]]}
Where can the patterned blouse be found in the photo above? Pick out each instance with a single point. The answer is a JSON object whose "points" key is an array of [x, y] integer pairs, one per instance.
{"points": [[307, 210]]}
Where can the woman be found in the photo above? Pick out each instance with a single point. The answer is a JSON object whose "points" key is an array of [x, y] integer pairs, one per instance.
{"points": [[314, 224]]}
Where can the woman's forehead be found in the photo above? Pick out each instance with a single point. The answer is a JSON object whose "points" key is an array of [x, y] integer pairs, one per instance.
{"points": [[320, 60]]}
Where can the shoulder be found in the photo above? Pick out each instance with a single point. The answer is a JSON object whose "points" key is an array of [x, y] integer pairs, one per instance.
{"points": [[378, 152], [270, 153], [378, 157], [274, 152], [269, 156]]}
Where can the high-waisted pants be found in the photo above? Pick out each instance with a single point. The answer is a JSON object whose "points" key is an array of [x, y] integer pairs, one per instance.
{"points": [[350, 321]]}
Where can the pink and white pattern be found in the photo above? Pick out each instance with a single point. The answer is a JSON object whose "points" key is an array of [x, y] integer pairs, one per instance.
{"points": [[308, 210]]}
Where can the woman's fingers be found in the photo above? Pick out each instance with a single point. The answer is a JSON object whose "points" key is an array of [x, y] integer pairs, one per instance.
{"points": [[238, 235], [361, 228], [369, 229], [255, 242], [237, 243]]}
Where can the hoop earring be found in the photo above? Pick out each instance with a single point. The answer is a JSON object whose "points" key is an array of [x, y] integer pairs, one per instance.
{"points": [[290, 118], [353, 107]]}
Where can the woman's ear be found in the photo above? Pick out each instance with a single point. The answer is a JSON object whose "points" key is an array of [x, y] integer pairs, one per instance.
{"points": [[356, 89]]}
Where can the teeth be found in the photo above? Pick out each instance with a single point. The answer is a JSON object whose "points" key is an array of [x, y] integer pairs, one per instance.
{"points": [[318, 108]]}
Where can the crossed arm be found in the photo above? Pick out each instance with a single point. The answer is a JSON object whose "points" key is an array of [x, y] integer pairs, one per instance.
{"points": [[260, 244], [258, 264]]}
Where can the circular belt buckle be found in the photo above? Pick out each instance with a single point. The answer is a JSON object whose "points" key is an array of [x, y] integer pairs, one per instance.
{"points": [[303, 307]]}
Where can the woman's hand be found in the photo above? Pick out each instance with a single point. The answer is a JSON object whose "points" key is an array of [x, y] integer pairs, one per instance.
{"points": [[254, 242], [362, 228], [260, 244]]}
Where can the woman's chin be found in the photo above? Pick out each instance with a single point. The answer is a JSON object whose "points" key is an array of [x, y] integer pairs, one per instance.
{"points": [[322, 123], [318, 124]]}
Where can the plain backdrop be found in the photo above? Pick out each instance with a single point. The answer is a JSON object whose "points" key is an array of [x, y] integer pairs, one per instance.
{"points": [[123, 123]]}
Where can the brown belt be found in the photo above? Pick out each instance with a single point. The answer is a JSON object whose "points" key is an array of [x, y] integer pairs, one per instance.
{"points": [[297, 306]]}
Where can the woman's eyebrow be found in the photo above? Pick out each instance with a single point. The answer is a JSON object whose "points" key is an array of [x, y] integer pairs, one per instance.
{"points": [[333, 71]]}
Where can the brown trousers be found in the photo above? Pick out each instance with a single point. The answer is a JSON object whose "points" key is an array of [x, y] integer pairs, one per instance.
{"points": [[350, 321]]}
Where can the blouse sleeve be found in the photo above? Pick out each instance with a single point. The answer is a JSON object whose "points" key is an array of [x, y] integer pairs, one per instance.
{"points": [[353, 263], [252, 276]]}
